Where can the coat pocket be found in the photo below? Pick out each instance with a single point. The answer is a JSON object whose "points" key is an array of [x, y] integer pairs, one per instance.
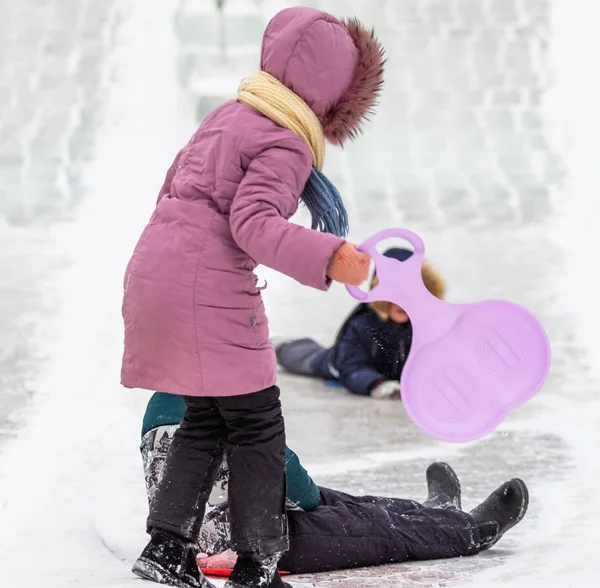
{"points": [[232, 327]]}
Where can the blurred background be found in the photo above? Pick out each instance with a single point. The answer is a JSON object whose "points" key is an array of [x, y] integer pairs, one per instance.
{"points": [[485, 143]]}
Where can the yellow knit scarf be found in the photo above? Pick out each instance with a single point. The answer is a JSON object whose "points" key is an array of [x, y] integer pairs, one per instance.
{"points": [[270, 97]]}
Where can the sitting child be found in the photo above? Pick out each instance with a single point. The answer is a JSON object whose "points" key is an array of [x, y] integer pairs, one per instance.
{"points": [[371, 347]]}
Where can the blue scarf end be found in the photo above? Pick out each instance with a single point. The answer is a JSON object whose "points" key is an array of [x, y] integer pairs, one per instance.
{"points": [[325, 204]]}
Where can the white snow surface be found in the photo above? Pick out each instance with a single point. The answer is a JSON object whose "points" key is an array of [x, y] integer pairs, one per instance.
{"points": [[72, 501]]}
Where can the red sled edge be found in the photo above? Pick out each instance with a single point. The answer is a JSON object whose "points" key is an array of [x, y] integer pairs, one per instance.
{"points": [[224, 572]]}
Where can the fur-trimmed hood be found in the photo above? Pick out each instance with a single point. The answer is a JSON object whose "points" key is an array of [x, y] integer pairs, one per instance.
{"points": [[335, 66]]}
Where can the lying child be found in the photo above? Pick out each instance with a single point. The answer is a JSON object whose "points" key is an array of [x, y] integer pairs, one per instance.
{"points": [[371, 347], [331, 530]]}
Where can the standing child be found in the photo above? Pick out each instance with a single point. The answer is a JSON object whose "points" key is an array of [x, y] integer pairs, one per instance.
{"points": [[371, 346], [195, 323], [329, 529]]}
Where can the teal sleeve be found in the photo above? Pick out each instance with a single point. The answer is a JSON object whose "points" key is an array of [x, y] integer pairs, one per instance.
{"points": [[301, 490], [163, 409]]}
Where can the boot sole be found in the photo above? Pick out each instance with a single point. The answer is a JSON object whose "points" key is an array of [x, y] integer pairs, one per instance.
{"points": [[520, 515], [524, 502], [149, 570], [453, 479]]}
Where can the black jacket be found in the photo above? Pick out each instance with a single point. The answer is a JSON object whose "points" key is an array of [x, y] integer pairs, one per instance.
{"points": [[368, 348]]}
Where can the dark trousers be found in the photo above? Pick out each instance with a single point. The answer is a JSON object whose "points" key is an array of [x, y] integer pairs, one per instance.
{"points": [[251, 427], [348, 532]]}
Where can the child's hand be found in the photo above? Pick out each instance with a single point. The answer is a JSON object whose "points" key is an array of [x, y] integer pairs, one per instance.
{"points": [[349, 266], [388, 390]]}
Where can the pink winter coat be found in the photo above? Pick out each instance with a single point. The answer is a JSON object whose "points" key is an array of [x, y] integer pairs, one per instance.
{"points": [[195, 323]]}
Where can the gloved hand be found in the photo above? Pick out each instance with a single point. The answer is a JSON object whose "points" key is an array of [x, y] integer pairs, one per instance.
{"points": [[387, 390], [349, 266]]}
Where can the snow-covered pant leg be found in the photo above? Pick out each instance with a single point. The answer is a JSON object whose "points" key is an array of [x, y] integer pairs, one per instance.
{"points": [[190, 470], [214, 533], [154, 448], [349, 532], [253, 427], [257, 483], [305, 357], [331, 497]]}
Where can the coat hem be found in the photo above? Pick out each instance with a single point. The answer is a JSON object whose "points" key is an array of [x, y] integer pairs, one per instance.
{"points": [[179, 391]]}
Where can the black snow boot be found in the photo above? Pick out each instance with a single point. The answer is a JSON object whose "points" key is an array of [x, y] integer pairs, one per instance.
{"points": [[443, 487], [250, 572], [170, 559], [501, 511]]}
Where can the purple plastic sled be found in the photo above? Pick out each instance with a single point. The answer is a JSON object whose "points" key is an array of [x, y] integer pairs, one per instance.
{"points": [[469, 364]]}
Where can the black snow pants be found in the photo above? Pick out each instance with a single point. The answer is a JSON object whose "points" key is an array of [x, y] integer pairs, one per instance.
{"points": [[251, 427], [348, 532]]}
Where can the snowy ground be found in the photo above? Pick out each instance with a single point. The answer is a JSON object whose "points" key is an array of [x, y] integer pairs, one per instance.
{"points": [[72, 503]]}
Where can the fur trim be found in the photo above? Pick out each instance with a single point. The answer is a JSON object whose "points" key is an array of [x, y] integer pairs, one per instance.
{"points": [[344, 121], [432, 279]]}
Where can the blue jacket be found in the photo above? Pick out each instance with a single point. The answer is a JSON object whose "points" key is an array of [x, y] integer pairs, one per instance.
{"points": [[368, 348]]}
